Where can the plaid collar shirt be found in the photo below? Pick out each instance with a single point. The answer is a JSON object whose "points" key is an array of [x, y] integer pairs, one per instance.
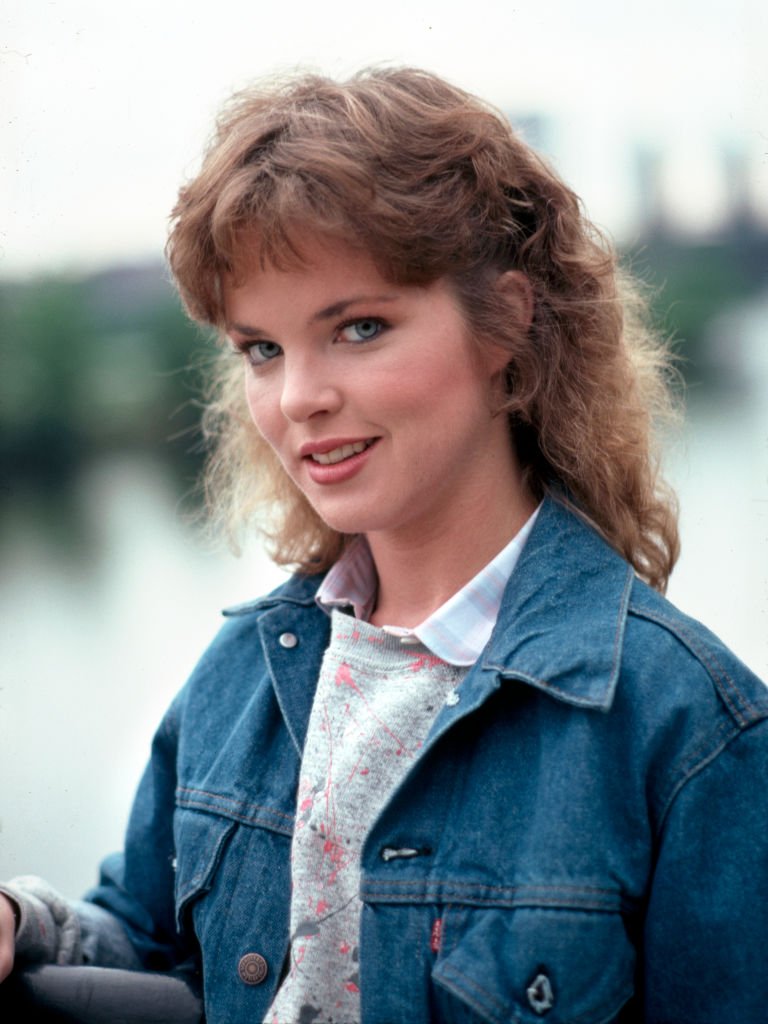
{"points": [[458, 630]]}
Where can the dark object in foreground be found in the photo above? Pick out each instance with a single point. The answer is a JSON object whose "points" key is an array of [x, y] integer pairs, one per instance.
{"points": [[98, 995]]}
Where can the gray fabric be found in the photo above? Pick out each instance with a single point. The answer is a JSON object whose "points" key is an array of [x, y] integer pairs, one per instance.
{"points": [[98, 995], [53, 930], [48, 929], [376, 700]]}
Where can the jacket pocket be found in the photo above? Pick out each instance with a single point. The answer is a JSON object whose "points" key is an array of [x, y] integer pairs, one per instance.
{"points": [[201, 840], [531, 965]]}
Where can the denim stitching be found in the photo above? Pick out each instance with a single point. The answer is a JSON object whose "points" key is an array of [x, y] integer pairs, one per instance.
{"points": [[417, 899], [445, 966], [266, 817], [575, 889], [696, 760], [546, 686], [469, 984], [701, 767], [231, 800], [735, 701], [421, 894]]}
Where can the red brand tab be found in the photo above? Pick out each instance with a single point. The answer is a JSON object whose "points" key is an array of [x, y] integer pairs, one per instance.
{"points": [[436, 938]]}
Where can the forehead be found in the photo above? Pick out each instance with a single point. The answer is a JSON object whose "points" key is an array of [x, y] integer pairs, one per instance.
{"points": [[325, 272]]}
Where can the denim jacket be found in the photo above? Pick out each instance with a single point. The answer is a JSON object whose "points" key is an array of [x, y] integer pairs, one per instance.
{"points": [[583, 837]]}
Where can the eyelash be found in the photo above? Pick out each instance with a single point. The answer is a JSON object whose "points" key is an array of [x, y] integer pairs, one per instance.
{"points": [[382, 325], [247, 348]]}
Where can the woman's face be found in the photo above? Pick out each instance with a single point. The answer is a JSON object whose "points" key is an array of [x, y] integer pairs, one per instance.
{"points": [[371, 394]]}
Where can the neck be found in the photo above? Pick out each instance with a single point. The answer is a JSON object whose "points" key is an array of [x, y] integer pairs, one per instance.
{"points": [[418, 571]]}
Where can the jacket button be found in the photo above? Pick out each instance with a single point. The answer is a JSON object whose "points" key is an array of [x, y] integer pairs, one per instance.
{"points": [[541, 998], [288, 640], [252, 968]]}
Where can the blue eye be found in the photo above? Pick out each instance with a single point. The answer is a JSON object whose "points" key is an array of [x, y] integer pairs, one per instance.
{"points": [[262, 352], [365, 329]]}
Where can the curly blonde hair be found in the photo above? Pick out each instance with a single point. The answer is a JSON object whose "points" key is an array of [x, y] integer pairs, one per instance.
{"points": [[432, 183]]}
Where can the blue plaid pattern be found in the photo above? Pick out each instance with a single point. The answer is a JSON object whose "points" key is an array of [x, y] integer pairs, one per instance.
{"points": [[458, 630]]}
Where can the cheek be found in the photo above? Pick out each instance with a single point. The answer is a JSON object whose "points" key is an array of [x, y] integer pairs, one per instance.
{"points": [[263, 408]]}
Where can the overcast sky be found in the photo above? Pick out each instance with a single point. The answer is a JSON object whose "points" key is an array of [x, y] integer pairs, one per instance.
{"points": [[105, 107]]}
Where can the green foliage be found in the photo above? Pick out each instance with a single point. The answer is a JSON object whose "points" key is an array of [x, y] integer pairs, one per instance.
{"points": [[90, 366], [695, 283]]}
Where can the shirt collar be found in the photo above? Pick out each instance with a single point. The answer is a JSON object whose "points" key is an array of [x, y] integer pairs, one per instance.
{"points": [[458, 630]]}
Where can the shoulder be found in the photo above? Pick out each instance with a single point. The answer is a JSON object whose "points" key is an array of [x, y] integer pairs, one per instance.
{"points": [[689, 709], [242, 621], [654, 687], [686, 657], [577, 623], [236, 658]]}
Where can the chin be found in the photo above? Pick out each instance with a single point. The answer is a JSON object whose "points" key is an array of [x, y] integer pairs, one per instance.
{"points": [[351, 521]]}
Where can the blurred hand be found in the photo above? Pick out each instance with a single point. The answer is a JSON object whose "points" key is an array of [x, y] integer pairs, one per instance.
{"points": [[7, 936]]}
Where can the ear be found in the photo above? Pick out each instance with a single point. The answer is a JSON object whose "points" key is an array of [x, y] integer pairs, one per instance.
{"points": [[518, 293]]}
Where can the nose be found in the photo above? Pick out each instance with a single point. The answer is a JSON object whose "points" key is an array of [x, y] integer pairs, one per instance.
{"points": [[307, 390]]}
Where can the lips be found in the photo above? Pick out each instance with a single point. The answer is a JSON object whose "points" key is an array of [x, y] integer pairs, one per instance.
{"points": [[336, 459], [344, 451], [335, 449]]}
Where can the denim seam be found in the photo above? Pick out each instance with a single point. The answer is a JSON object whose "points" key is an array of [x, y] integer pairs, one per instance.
{"points": [[453, 892], [696, 760], [586, 890], [449, 911], [546, 687], [210, 861], [702, 765], [201, 881], [466, 994], [606, 1012], [607, 687], [422, 899], [194, 799], [735, 701]]}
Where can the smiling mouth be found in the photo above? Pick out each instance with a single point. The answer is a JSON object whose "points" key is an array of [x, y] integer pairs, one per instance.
{"points": [[339, 454]]}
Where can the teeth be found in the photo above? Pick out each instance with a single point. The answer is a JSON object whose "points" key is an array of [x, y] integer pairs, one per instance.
{"points": [[338, 454]]}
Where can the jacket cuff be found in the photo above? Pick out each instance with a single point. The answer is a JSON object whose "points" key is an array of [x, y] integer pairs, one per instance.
{"points": [[48, 930]]}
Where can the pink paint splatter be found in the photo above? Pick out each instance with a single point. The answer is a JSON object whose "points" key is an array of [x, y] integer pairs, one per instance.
{"points": [[425, 661], [344, 677]]}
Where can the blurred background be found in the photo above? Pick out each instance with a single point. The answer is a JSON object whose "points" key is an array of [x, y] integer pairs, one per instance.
{"points": [[657, 115]]}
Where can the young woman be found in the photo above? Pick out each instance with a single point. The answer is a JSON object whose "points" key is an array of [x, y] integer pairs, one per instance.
{"points": [[467, 764]]}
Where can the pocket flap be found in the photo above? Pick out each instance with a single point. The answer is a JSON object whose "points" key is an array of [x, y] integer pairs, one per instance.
{"points": [[536, 964], [200, 842]]}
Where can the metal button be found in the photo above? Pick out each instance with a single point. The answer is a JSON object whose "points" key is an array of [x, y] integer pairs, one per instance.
{"points": [[288, 640], [452, 699], [252, 968], [540, 995]]}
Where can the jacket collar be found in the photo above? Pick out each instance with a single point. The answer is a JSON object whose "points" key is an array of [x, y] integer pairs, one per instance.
{"points": [[561, 623]]}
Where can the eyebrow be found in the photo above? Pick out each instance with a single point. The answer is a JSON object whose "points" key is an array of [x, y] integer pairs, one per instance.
{"points": [[327, 313], [337, 308]]}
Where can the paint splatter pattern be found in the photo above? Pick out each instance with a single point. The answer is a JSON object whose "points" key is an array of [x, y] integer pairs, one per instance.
{"points": [[376, 700]]}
